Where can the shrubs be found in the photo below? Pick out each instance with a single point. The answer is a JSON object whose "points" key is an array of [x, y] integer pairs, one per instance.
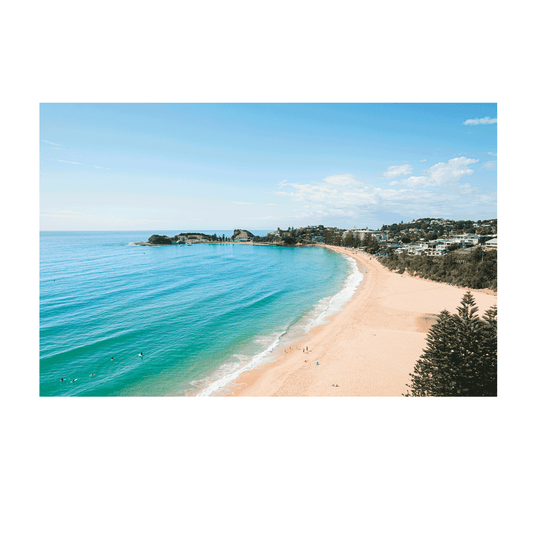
{"points": [[476, 270], [461, 355]]}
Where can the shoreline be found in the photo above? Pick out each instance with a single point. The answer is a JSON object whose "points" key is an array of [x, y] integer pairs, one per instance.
{"points": [[369, 347], [221, 382]]}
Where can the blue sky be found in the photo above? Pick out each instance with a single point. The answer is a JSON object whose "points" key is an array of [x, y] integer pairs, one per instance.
{"points": [[260, 166]]}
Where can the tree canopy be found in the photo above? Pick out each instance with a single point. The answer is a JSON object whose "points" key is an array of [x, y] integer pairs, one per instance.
{"points": [[460, 358], [475, 270]]}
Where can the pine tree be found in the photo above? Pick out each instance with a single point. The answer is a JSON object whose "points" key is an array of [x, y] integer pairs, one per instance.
{"points": [[488, 365], [460, 358], [435, 372]]}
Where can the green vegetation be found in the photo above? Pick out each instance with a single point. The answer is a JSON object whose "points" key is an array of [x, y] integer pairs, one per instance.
{"points": [[476, 269], [433, 228], [462, 264], [204, 236], [461, 355]]}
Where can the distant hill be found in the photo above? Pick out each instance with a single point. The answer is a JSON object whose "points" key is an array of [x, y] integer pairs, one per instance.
{"points": [[242, 234]]}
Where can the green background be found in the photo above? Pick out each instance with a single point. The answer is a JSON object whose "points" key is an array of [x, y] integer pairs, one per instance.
{"points": [[261, 474]]}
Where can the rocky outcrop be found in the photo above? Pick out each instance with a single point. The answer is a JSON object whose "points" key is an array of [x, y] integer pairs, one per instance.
{"points": [[242, 234], [159, 239], [183, 238]]}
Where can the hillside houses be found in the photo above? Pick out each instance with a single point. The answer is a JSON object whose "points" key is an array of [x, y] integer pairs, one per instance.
{"points": [[433, 237]]}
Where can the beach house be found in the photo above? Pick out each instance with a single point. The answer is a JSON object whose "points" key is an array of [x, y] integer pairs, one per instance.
{"points": [[492, 244]]}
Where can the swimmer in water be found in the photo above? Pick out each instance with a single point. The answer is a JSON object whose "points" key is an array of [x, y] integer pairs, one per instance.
{"points": [[112, 358], [62, 379], [141, 355], [92, 375]]}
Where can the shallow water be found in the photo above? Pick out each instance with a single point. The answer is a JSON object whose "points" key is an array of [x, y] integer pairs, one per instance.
{"points": [[198, 313]]}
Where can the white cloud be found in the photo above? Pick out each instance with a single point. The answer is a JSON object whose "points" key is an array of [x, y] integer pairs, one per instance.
{"points": [[395, 171], [490, 165], [271, 217], [442, 174], [96, 166], [477, 121], [71, 162], [50, 142], [422, 160], [438, 191], [322, 201], [341, 179], [495, 154], [56, 213], [243, 203]]}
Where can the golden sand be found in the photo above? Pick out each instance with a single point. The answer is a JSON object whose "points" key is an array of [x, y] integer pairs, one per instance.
{"points": [[370, 347]]}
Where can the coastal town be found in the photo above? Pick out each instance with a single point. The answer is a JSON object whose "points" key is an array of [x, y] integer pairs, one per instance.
{"points": [[462, 253], [429, 236], [424, 236]]}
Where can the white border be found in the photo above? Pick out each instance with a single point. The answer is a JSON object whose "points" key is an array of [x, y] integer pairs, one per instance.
{"points": [[30, 96]]}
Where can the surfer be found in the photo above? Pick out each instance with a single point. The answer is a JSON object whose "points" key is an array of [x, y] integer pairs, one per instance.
{"points": [[141, 355], [92, 375], [62, 379]]}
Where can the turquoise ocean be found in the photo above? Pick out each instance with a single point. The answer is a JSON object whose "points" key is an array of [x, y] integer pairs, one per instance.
{"points": [[200, 314]]}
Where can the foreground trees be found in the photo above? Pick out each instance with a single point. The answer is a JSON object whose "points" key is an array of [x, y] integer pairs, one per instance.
{"points": [[460, 358]]}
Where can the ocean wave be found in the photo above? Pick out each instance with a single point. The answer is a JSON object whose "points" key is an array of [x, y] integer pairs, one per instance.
{"points": [[228, 373], [333, 305]]}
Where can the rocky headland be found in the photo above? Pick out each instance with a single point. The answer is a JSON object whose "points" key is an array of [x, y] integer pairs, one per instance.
{"points": [[242, 235], [239, 235]]}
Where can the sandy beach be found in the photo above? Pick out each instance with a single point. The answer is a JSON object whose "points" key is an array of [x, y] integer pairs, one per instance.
{"points": [[370, 347]]}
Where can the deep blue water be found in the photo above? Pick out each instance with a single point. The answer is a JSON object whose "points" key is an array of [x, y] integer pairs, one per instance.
{"points": [[198, 313]]}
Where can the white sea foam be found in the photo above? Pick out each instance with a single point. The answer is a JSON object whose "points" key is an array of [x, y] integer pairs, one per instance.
{"points": [[334, 304], [229, 372]]}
